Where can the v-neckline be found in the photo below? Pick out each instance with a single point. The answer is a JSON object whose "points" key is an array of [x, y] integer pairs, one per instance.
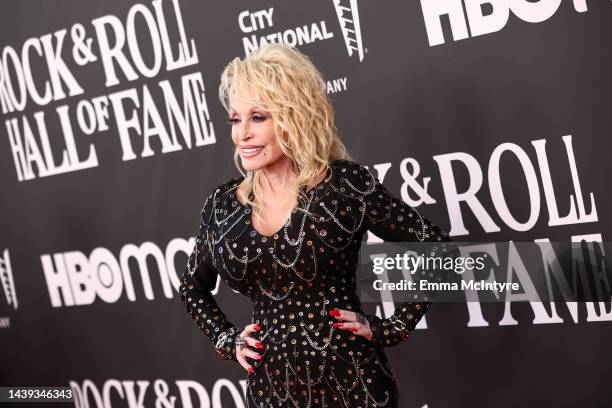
{"points": [[249, 211]]}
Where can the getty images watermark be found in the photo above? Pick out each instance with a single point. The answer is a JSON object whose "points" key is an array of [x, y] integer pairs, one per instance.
{"points": [[485, 271]]}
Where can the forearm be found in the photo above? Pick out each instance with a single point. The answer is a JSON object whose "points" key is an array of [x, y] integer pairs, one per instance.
{"points": [[399, 326], [207, 315], [196, 285]]}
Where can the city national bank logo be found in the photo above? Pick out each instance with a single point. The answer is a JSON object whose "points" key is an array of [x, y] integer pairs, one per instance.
{"points": [[8, 283], [348, 17], [347, 12]]}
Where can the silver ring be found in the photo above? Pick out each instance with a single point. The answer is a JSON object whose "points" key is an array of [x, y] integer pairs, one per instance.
{"points": [[361, 318], [240, 342]]}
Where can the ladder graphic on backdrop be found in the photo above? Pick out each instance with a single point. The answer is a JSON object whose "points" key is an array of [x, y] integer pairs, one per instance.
{"points": [[6, 276], [348, 17]]}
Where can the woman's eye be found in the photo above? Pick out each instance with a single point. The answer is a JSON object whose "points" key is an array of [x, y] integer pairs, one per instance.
{"points": [[256, 118]]}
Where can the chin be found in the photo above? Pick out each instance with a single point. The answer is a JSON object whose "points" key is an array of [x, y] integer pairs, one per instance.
{"points": [[252, 164]]}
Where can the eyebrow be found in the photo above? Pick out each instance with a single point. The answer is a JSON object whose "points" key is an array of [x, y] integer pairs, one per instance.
{"points": [[251, 110]]}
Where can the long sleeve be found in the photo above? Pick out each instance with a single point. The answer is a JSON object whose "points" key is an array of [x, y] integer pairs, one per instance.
{"points": [[392, 220], [197, 281]]}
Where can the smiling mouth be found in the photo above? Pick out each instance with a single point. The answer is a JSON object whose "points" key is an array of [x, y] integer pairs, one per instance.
{"points": [[250, 151]]}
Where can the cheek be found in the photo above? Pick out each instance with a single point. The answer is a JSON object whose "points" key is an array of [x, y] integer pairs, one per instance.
{"points": [[271, 138], [274, 146]]}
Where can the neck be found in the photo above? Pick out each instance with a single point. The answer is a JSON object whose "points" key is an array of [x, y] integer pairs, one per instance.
{"points": [[275, 178]]}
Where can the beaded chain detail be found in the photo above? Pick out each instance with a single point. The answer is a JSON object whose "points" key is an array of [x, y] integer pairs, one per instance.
{"points": [[294, 278]]}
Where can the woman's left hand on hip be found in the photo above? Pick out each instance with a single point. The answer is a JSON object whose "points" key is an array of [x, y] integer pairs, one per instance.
{"points": [[349, 320]]}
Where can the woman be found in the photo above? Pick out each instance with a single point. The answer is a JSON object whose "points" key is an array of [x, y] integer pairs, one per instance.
{"points": [[287, 235]]}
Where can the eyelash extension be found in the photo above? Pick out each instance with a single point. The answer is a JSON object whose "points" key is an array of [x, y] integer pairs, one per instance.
{"points": [[258, 118]]}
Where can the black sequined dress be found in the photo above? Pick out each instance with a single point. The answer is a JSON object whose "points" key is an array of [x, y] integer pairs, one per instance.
{"points": [[293, 278]]}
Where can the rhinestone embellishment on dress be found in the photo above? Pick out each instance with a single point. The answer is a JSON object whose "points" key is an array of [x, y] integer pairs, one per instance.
{"points": [[294, 278]]}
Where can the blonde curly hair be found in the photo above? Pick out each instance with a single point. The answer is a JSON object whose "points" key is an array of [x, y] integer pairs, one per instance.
{"points": [[284, 82]]}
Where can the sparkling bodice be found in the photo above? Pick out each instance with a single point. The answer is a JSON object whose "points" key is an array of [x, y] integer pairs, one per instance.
{"points": [[314, 252]]}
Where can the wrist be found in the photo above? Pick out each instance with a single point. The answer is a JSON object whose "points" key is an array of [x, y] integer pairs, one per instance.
{"points": [[225, 345], [388, 332], [398, 328]]}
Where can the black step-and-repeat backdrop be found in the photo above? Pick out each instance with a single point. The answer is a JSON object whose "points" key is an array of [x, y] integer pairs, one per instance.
{"points": [[492, 117]]}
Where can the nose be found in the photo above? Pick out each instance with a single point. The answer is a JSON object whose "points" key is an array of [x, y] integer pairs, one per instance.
{"points": [[243, 130]]}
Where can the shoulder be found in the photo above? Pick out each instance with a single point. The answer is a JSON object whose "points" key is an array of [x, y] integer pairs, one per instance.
{"points": [[219, 197], [353, 178], [348, 167]]}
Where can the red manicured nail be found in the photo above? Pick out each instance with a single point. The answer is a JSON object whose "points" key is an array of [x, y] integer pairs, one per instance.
{"points": [[353, 330], [251, 370], [257, 357], [334, 312], [337, 325], [259, 345], [257, 327]]}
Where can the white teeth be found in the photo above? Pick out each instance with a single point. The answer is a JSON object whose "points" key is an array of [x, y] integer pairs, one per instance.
{"points": [[252, 150]]}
